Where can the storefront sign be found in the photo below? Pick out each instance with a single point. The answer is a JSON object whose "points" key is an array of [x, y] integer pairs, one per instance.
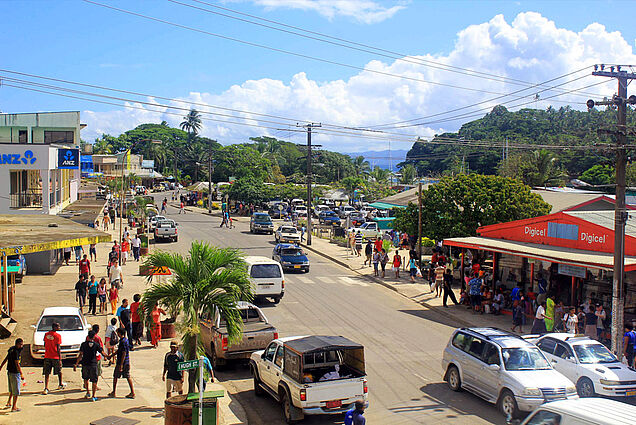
{"points": [[569, 270], [68, 158], [27, 158]]}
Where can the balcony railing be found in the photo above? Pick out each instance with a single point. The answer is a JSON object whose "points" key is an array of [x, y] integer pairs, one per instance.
{"points": [[26, 200]]}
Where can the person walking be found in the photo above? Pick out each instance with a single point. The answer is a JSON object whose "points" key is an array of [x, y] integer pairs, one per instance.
{"points": [[447, 282], [136, 247], [376, 262], [368, 252], [99, 356], [155, 327], [175, 376], [358, 240], [181, 208], [14, 373], [397, 263], [88, 358], [384, 258], [352, 242], [125, 321], [475, 293], [116, 276], [355, 416], [80, 292], [106, 221], [538, 326], [122, 364], [163, 207], [102, 291], [600, 318], [412, 269], [84, 267], [629, 344], [137, 326], [78, 253], [67, 254], [52, 357], [125, 248], [111, 339], [549, 311], [439, 278], [113, 296], [93, 288], [92, 250], [517, 317]]}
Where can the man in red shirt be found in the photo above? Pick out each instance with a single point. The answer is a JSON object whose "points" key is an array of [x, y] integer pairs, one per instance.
{"points": [[378, 244], [52, 356], [137, 328], [84, 267]]}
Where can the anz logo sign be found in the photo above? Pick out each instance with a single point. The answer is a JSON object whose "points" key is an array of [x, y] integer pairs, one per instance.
{"points": [[68, 158], [27, 158]]}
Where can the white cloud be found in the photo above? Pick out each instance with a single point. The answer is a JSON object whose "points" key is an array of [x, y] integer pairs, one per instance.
{"points": [[364, 11], [530, 48]]}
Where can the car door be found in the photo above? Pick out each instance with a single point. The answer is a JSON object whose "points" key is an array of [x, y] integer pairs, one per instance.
{"points": [[547, 345], [277, 367], [266, 371], [473, 365], [489, 374], [565, 362]]}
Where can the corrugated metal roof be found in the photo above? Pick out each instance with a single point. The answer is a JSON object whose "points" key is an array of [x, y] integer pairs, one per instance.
{"points": [[606, 219], [575, 257], [403, 198], [563, 200]]}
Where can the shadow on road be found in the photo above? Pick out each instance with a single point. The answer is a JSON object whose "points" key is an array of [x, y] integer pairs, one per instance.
{"points": [[433, 316]]}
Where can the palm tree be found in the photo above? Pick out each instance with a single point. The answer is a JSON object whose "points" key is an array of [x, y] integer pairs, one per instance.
{"points": [[361, 166], [205, 280], [191, 123], [380, 175], [546, 168], [409, 173]]}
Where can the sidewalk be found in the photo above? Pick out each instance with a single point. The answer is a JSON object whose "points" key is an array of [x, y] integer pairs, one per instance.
{"points": [[68, 406], [418, 292]]}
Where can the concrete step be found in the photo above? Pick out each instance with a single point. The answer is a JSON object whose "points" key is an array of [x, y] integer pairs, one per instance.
{"points": [[7, 326]]}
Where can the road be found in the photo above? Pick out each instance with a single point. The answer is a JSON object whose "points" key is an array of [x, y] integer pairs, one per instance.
{"points": [[403, 341]]}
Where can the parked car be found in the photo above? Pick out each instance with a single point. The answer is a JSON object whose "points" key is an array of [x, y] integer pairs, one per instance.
{"points": [[166, 229], [153, 220], [356, 218], [257, 334], [266, 275], [584, 411], [369, 230], [287, 234], [589, 364], [329, 217], [291, 257], [18, 261], [301, 210], [277, 213], [73, 330], [320, 208], [261, 222], [503, 368], [346, 210], [311, 375]]}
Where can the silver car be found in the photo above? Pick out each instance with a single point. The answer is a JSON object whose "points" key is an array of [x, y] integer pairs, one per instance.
{"points": [[504, 369]]}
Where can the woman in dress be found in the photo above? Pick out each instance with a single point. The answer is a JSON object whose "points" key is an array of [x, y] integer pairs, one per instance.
{"points": [[155, 327], [538, 327], [549, 312]]}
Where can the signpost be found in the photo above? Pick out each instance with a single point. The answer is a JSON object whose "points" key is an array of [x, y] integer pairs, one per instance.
{"points": [[193, 364]]}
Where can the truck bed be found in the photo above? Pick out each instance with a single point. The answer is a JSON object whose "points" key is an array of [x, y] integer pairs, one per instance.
{"points": [[256, 336]]}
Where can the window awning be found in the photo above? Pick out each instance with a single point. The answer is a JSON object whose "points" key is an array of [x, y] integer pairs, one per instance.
{"points": [[385, 206], [555, 254]]}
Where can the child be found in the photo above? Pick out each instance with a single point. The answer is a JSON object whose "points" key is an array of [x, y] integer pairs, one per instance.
{"points": [[101, 293], [376, 263], [397, 262], [412, 269], [517, 317], [113, 295], [571, 321], [111, 339], [14, 372]]}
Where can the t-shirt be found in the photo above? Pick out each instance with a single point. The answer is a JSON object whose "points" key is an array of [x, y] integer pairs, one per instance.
{"points": [[632, 338], [439, 273], [134, 312], [98, 340], [378, 244], [540, 312], [84, 265], [475, 286], [571, 322], [51, 341], [368, 249], [170, 365], [92, 287], [122, 351], [136, 242], [124, 316], [80, 287], [112, 256], [13, 354], [599, 319], [119, 310], [89, 350], [125, 246], [515, 295], [115, 273]]}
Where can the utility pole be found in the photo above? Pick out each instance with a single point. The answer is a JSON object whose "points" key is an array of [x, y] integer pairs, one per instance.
{"points": [[210, 182], [309, 177], [620, 212], [419, 222]]}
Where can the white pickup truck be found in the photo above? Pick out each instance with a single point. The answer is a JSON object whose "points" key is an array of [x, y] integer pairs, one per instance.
{"points": [[311, 375], [369, 230], [166, 229]]}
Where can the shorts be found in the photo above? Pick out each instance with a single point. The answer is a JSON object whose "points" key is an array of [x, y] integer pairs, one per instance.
{"points": [[475, 300], [54, 364], [383, 265], [67, 256], [102, 298], [124, 373], [413, 272], [81, 299], [125, 255], [375, 266], [15, 383], [115, 283], [83, 275], [137, 330], [89, 373], [359, 247], [174, 385], [93, 251]]}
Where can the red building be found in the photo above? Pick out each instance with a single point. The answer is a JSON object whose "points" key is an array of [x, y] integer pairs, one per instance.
{"points": [[573, 250]]}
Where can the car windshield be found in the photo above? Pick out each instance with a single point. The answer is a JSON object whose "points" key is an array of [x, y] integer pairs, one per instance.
{"points": [[594, 353], [330, 214], [265, 271], [262, 218], [247, 315], [288, 230], [526, 358], [292, 252], [67, 323]]}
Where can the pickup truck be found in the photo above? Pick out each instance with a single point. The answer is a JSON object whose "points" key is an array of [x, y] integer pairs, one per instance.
{"points": [[257, 333], [153, 220], [166, 229], [369, 230], [311, 375]]}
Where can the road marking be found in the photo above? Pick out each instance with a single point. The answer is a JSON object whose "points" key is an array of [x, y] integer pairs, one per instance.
{"points": [[304, 279], [326, 279], [421, 377], [348, 281]]}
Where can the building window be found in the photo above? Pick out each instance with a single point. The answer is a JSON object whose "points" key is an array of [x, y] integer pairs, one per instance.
{"points": [[58, 137], [22, 136], [25, 189]]}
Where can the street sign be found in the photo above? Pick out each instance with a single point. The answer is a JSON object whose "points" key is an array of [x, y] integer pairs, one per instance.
{"points": [[192, 364], [161, 271]]}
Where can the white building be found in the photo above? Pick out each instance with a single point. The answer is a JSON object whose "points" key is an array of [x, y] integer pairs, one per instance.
{"points": [[39, 161]]}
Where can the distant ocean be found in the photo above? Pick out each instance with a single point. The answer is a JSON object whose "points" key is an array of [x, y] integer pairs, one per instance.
{"points": [[382, 159]]}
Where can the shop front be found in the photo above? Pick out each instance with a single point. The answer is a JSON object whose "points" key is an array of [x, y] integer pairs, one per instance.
{"points": [[571, 253]]}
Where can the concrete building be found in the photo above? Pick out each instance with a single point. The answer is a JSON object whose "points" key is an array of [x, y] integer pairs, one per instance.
{"points": [[39, 161]]}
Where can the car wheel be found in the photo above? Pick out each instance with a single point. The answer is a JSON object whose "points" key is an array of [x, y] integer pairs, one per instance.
{"points": [[585, 388], [508, 405], [276, 299], [287, 408], [217, 364], [258, 390], [453, 378]]}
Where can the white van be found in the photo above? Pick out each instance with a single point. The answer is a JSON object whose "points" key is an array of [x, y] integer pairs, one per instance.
{"points": [[583, 411], [268, 280]]}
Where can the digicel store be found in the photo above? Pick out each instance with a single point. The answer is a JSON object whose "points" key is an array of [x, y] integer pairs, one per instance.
{"points": [[572, 250]]}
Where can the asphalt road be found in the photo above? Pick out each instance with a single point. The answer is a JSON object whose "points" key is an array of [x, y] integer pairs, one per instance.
{"points": [[403, 341]]}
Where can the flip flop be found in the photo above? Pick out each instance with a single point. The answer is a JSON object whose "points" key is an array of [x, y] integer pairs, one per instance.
{"points": [[111, 394], [130, 396], [16, 410]]}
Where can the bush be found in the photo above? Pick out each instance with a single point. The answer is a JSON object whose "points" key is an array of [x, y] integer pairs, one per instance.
{"points": [[428, 242]]}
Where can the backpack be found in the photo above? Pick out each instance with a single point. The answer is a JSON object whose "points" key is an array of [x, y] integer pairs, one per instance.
{"points": [[114, 338]]}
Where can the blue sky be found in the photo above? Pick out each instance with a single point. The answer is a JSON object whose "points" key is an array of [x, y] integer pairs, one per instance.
{"points": [[82, 42]]}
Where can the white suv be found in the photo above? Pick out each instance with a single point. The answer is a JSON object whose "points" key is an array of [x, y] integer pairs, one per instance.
{"points": [[504, 369], [589, 364]]}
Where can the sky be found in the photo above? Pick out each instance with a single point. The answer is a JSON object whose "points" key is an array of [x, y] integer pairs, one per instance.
{"points": [[512, 45]]}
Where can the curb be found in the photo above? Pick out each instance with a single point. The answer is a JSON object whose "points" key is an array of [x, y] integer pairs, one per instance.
{"points": [[448, 315]]}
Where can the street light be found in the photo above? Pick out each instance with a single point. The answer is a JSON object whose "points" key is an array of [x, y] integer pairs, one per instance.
{"points": [[121, 197]]}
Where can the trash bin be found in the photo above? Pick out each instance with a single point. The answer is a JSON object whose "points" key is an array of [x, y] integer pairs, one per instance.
{"points": [[210, 407]]}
